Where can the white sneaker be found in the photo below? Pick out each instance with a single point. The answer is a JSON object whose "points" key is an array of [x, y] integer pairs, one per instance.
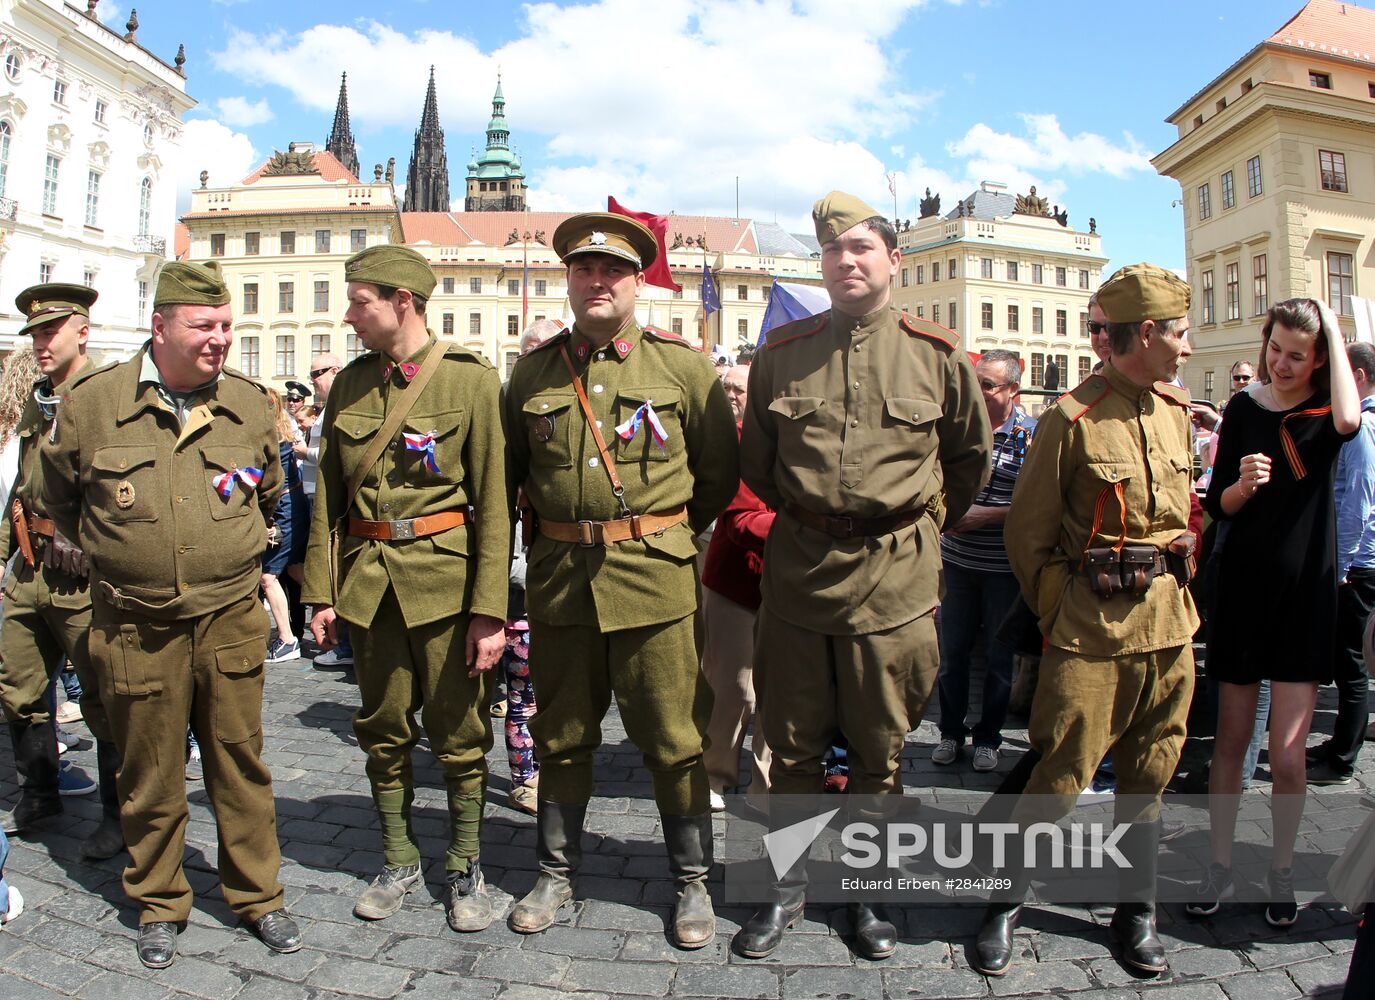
{"points": [[945, 753], [14, 906], [985, 758], [333, 658], [68, 712], [718, 802]]}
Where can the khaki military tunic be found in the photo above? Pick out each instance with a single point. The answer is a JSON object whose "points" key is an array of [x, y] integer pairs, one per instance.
{"points": [[1119, 671], [862, 417], [178, 633], [47, 612], [408, 602], [618, 618]]}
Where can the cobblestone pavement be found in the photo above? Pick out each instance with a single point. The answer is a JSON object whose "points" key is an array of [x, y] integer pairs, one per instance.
{"points": [[76, 935]]}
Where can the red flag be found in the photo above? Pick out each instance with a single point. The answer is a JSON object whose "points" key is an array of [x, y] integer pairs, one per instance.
{"points": [[657, 273]]}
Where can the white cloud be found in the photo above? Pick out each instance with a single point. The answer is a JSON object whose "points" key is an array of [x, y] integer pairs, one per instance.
{"points": [[1046, 148], [210, 145], [111, 15], [670, 141], [239, 113]]}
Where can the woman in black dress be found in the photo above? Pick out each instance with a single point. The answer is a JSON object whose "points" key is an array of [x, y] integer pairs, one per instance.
{"points": [[1276, 600]]}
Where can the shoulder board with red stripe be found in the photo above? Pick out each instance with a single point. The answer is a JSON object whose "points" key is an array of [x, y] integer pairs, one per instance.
{"points": [[558, 338], [654, 333], [931, 331], [797, 329], [1172, 393], [1083, 397]]}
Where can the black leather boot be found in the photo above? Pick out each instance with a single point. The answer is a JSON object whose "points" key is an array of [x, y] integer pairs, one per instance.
{"points": [[762, 933], [1133, 923], [108, 839], [875, 936], [688, 840], [994, 945], [558, 831]]}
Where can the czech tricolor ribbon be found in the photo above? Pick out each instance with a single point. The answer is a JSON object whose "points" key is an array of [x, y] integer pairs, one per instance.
{"points": [[423, 443], [645, 413], [224, 482]]}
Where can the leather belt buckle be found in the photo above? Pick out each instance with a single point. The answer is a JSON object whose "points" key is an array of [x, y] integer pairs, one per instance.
{"points": [[587, 534], [840, 526], [403, 531]]}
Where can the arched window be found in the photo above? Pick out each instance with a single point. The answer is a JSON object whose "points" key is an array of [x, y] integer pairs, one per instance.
{"points": [[145, 205], [5, 133]]}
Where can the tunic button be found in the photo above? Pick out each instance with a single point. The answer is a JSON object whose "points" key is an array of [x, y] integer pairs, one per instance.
{"points": [[592, 462], [599, 424], [386, 506], [544, 406], [856, 347], [596, 388], [123, 463], [181, 549], [854, 423], [601, 355]]}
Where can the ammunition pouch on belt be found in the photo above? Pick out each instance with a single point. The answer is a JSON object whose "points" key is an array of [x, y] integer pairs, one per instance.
{"points": [[1132, 568]]}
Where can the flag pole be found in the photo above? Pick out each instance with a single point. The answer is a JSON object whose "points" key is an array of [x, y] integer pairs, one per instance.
{"points": [[525, 273]]}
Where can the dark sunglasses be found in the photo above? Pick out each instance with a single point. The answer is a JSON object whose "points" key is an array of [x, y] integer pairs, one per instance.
{"points": [[321, 371], [1096, 328], [1242, 378]]}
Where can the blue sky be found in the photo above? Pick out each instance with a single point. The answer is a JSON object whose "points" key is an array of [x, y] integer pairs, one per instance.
{"points": [[665, 104]]}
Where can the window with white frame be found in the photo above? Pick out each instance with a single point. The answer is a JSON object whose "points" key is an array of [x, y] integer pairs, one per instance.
{"points": [[50, 173], [286, 354], [248, 356], [6, 134], [145, 204]]}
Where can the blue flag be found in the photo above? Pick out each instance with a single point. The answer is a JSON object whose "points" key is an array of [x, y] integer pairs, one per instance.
{"points": [[711, 301]]}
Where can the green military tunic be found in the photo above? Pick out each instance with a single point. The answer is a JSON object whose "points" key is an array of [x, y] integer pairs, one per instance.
{"points": [[47, 612], [409, 602], [861, 417], [619, 617], [178, 632], [1119, 671]]}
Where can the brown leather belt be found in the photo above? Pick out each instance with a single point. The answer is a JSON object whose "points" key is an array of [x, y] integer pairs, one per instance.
{"points": [[412, 527], [842, 526], [636, 526], [42, 526]]}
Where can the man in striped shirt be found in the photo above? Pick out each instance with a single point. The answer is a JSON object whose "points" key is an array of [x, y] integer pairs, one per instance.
{"points": [[979, 585]]}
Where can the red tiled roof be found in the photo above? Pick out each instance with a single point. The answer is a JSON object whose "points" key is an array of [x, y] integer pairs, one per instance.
{"points": [[493, 228], [181, 242], [329, 167], [1331, 28]]}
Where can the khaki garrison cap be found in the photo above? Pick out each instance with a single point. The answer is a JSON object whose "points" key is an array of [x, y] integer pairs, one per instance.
{"points": [[45, 303], [839, 212], [1140, 292], [605, 232], [392, 266], [186, 283]]}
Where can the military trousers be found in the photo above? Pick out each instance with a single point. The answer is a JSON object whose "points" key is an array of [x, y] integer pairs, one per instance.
{"points": [[156, 678], [1137, 706], [664, 700], [404, 670], [47, 616], [873, 687]]}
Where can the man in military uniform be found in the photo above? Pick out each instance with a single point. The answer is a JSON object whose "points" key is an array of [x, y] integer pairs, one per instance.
{"points": [[47, 597], [852, 418], [166, 468], [422, 559], [1098, 539], [610, 584]]}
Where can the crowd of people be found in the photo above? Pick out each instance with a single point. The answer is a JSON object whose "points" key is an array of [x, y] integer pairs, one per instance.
{"points": [[857, 475]]}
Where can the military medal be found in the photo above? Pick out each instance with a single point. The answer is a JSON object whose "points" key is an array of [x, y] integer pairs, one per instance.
{"points": [[544, 428], [224, 482], [423, 443], [644, 414], [124, 494]]}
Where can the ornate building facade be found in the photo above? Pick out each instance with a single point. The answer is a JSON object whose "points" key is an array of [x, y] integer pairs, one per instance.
{"points": [[90, 142], [496, 182], [1275, 159], [1005, 271], [427, 179]]}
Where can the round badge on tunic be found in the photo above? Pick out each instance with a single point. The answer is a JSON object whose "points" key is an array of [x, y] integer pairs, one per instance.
{"points": [[544, 428], [124, 494]]}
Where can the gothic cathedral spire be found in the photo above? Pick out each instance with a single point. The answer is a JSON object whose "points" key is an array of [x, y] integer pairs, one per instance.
{"points": [[340, 141], [427, 181]]}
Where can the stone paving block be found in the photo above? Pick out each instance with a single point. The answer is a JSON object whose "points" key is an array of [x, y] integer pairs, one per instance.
{"points": [[1190, 991], [1110, 972], [576, 942], [438, 986], [604, 915], [614, 890], [732, 981], [655, 947], [356, 940], [926, 954], [524, 992], [1027, 978], [533, 967], [250, 955], [1206, 963], [55, 935], [618, 977], [1321, 974], [367, 979], [827, 984], [946, 984], [111, 986], [1261, 986], [198, 977], [22, 989], [805, 950], [311, 831], [439, 954], [1283, 952], [48, 969]]}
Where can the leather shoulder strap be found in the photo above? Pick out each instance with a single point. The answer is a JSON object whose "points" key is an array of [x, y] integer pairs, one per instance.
{"points": [[393, 424], [617, 489]]}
